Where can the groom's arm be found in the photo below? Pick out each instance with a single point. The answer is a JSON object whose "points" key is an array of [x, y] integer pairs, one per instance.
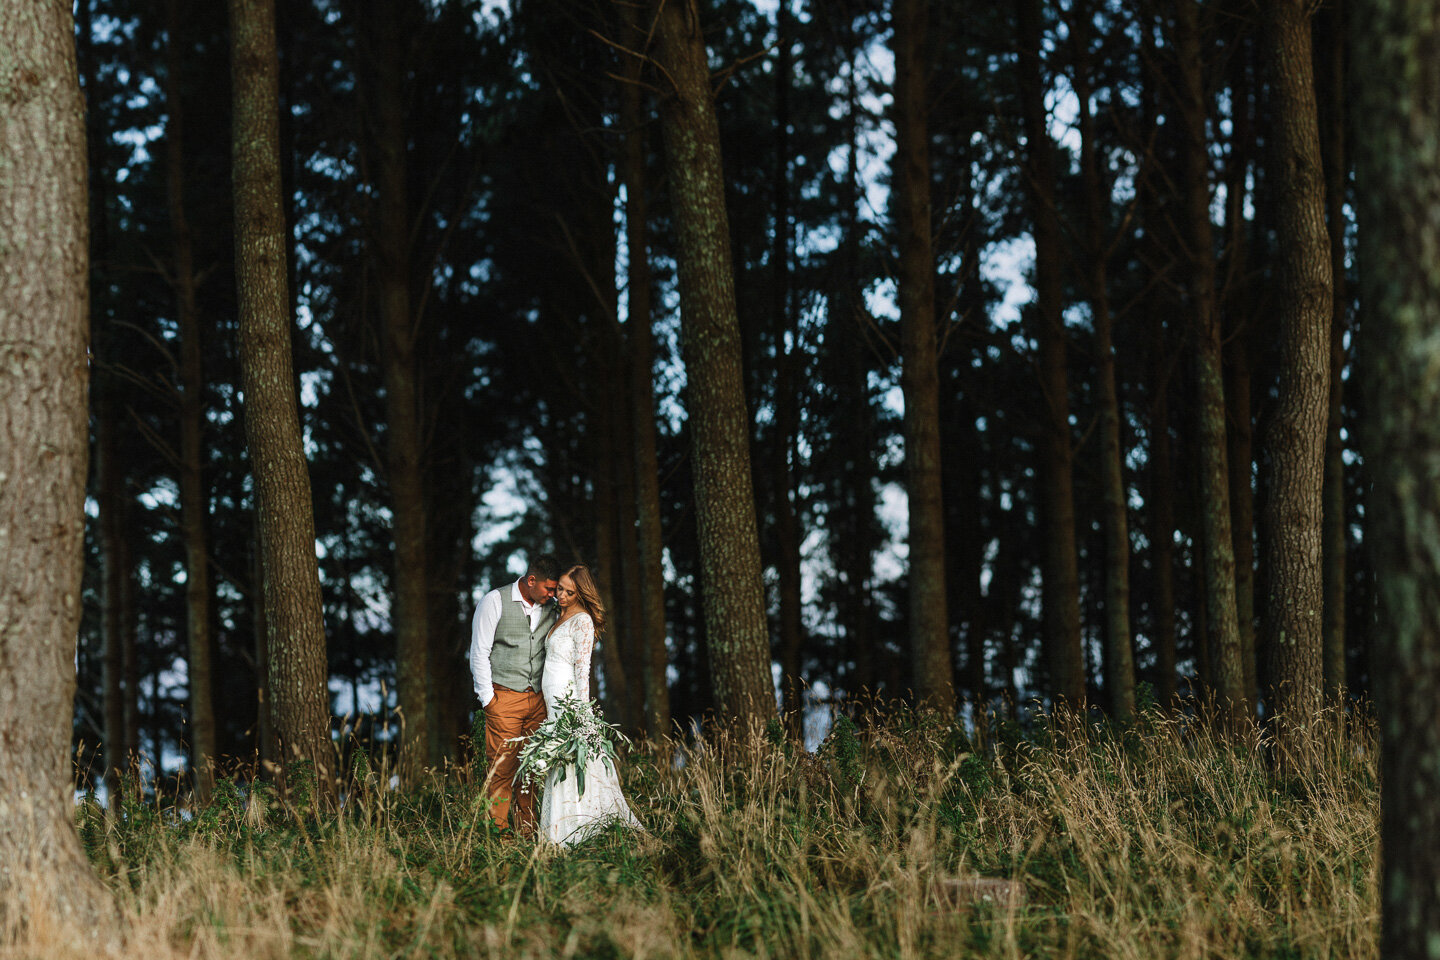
{"points": [[482, 640]]}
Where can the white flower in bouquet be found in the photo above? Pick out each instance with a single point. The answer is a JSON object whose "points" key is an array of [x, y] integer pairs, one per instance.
{"points": [[575, 735]]}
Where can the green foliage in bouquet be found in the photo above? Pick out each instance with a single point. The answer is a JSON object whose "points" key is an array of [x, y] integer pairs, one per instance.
{"points": [[575, 734]]}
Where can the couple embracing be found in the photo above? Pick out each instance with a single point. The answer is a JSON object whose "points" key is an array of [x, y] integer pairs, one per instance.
{"points": [[530, 647]]}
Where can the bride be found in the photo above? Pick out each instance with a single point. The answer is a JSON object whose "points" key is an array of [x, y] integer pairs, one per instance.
{"points": [[566, 815]]}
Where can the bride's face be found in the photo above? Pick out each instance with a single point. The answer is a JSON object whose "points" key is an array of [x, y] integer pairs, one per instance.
{"points": [[565, 593]]}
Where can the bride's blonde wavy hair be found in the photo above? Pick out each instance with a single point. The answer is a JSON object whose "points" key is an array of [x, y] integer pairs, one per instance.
{"points": [[588, 594]]}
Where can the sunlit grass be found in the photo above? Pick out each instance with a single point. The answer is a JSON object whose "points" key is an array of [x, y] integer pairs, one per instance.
{"points": [[1160, 840]]}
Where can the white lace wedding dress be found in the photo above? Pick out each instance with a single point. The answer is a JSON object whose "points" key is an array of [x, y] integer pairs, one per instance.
{"points": [[567, 817]]}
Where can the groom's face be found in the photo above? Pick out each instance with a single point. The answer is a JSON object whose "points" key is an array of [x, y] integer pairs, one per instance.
{"points": [[537, 590]]}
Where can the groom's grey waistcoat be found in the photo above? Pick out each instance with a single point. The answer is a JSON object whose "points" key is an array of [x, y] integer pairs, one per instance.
{"points": [[518, 658]]}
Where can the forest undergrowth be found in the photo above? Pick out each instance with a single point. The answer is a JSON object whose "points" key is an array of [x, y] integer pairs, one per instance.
{"points": [[1161, 839]]}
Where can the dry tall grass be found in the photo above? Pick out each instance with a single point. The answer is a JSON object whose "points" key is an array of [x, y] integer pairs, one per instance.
{"points": [[1162, 840]]}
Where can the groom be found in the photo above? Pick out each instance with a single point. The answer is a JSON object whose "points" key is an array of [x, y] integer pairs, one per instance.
{"points": [[507, 658]]}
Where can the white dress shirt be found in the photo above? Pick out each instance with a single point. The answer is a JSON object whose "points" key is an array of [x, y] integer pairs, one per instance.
{"points": [[482, 635]]}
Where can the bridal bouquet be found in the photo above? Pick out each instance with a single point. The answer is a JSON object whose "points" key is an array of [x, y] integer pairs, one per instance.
{"points": [[574, 734]]}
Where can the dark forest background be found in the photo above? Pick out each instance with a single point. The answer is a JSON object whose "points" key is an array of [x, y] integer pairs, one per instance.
{"points": [[488, 347]]}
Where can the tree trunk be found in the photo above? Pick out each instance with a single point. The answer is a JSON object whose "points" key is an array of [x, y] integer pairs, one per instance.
{"points": [[194, 509], [295, 623], [1238, 365], [734, 600], [110, 498], [1162, 524], [44, 370], [627, 589], [919, 372], [129, 652], [404, 453], [1240, 455], [1227, 673], [1119, 655], [1396, 48], [1160, 498], [109, 475], [1060, 599], [784, 495], [1296, 438], [266, 748], [651, 573], [854, 491], [1336, 523], [604, 440]]}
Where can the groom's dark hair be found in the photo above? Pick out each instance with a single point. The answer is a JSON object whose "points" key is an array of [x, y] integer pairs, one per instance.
{"points": [[544, 567]]}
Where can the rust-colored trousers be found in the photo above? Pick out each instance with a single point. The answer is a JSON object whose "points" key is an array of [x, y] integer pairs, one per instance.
{"points": [[513, 713]]}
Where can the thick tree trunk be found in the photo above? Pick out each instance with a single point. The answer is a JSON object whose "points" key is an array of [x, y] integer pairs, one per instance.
{"points": [[44, 372], [295, 623], [650, 575], [1060, 599], [404, 453], [734, 599], [1294, 605], [194, 508], [933, 673], [1227, 672], [1114, 520], [1396, 48], [1336, 541]]}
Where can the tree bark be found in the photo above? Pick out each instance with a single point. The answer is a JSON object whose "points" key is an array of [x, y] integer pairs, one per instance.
{"points": [[1396, 49], [110, 494], [194, 509], [1292, 553], [639, 326], [110, 499], [604, 440], [1060, 598], [734, 600], [627, 614], [854, 489], [1119, 655], [1237, 351], [1162, 524], [404, 453], [1160, 498], [784, 495], [295, 622], [934, 674], [1227, 673], [44, 315], [266, 747], [1336, 523]]}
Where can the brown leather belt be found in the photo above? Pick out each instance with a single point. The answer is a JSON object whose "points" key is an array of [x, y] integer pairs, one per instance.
{"points": [[509, 690]]}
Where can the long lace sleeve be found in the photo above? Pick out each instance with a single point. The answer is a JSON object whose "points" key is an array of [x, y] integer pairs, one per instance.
{"points": [[584, 646]]}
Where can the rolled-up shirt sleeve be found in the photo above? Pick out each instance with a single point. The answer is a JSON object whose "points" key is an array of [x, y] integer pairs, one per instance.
{"points": [[482, 639]]}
